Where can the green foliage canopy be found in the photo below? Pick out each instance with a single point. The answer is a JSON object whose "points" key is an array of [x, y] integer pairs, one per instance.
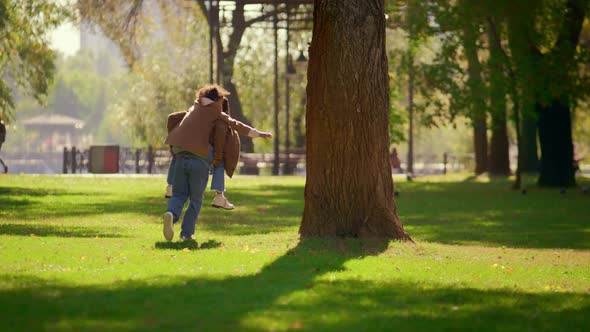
{"points": [[26, 60]]}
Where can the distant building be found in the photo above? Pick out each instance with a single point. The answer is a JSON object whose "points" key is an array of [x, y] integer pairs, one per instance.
{"points": [[53, 132]]}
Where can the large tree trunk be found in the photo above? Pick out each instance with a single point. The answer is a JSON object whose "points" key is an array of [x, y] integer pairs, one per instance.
{"points": [[477, 107], [349, 190], [499, 162], [557, 150]]}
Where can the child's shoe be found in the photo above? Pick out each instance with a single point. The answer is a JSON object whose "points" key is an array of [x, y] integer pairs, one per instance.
{"points": [[221, 202]]}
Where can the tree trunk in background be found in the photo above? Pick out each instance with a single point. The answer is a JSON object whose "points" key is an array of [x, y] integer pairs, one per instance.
{"points": [[225, 59], [530, 155], [298, 126], [520, 21], [410, 161], [227, 70], [555, 121], [557, 149], [236, 112], [499, 162], [477, 107], [480, 145], [349, 190]]}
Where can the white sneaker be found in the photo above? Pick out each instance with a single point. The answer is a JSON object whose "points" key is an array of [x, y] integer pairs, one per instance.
{"points": [[187, 238], [168, 191], [168, 226], [221, 202]]}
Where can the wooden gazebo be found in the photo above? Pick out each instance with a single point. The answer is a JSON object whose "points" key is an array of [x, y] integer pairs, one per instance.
{"points": [[54, 131]]}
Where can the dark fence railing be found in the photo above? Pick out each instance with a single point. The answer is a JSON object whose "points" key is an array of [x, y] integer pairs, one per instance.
{"points": [[131, 160], [156, 161]]}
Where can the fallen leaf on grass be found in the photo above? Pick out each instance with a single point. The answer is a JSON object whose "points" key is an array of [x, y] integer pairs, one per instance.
{"points": [[297, 325]]}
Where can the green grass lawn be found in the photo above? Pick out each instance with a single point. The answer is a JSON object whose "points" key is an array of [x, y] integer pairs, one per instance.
{"points": [[87, 254]]}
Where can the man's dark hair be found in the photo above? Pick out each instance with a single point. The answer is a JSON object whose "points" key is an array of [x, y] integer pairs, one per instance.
{"points": [[213, 92]]}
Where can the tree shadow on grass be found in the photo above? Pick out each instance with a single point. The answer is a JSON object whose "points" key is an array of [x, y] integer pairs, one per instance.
{"points": [[37, 192], [492, 214], [180, 245], [27, 229], [298, 291], [28, 203], [17, 200]]}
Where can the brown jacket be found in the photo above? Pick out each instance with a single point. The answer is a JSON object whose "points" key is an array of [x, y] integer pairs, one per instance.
{"points": [[195, 128], [226, 143], [175, 118]]}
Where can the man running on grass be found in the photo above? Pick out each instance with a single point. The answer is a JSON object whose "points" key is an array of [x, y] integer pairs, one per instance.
{"points": [[190, 144]]}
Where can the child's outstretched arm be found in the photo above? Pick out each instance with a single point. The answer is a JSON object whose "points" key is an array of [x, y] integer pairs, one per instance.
{"points": [[242, 128]]}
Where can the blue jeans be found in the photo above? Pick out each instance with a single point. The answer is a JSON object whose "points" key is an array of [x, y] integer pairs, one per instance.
{"points": [[170, 177], [217, 180], [190, 181]]}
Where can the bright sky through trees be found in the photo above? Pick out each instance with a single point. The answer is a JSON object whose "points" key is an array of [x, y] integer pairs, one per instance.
{"points": [[66, 39]]}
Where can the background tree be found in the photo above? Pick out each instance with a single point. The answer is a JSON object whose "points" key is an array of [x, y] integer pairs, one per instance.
{"points": [[499, 161], [26, 61], [556, 97], [349, 191]]}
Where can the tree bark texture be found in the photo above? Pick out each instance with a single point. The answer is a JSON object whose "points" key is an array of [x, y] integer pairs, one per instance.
{"points": [[349, 189]]}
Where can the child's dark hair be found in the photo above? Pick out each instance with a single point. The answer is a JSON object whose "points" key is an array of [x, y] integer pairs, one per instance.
{"points": [[225, 106], [212, 91]]}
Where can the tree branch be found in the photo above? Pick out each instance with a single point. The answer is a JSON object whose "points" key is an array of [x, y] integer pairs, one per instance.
{"points": [[569, 32]]}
